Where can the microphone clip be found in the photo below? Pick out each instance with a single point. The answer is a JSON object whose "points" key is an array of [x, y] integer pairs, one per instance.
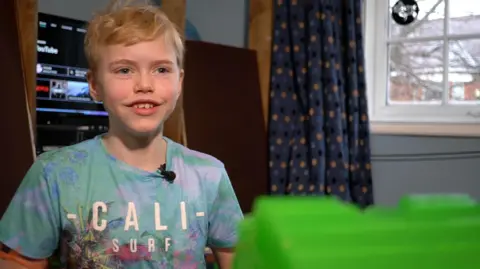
{"points": [[167, 175]]}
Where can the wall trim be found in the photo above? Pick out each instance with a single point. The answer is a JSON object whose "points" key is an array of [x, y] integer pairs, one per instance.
{"points": [[441, 156], [426, 129]]}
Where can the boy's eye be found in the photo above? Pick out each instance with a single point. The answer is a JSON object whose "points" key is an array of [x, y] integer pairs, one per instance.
{"points": [[123, 71], [162, 70]]}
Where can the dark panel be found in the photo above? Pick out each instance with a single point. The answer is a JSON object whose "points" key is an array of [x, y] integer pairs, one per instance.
{"points": [[15, 138], [223, 114]]}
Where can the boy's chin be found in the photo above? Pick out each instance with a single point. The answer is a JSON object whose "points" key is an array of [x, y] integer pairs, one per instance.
{"points": [[143, 130]]}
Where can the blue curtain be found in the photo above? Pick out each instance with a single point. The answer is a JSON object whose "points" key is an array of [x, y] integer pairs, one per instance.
{"points": [[318, 126]]}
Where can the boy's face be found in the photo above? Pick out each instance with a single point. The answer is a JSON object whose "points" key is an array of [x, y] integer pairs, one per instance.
{"points": [[138, 84]]}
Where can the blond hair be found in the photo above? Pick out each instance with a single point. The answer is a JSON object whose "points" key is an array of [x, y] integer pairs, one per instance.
{"points": [[128, 23]]}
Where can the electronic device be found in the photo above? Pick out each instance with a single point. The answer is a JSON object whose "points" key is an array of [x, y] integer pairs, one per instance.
{"points": [[62, 88]]}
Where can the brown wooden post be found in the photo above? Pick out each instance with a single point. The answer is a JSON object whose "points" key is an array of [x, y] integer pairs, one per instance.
{"points": [[27, 18], [175, 126], [18, 28], [260, 39]]}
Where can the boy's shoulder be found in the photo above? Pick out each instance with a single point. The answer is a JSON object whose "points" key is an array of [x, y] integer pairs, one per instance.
{"points": [[70, 153], [192, 157]]}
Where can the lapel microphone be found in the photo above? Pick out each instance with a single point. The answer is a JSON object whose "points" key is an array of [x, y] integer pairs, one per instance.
{"points": [[167, 175]]}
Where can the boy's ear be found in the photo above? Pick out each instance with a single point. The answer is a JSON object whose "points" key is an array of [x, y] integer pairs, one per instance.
{"points": [[93, 87], [180, 88]]}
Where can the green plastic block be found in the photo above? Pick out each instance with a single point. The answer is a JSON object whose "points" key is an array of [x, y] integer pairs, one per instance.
{"points": [[432, 231]]}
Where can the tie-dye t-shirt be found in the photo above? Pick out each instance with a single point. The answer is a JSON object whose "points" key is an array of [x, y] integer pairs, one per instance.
{"points": [[95, 211]]}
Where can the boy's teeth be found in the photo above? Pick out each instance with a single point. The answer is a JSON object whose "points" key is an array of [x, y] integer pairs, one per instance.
{"points": [[143, 105]]}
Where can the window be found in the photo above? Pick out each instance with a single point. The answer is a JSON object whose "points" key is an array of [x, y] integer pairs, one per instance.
{"points": [[426, 72]]}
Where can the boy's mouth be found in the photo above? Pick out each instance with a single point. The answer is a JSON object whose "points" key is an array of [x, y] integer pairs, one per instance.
{"points": [[144, 105]]}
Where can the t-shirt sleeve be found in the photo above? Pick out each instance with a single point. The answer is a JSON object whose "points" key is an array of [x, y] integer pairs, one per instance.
{"points": [[224, 216], [31, 223]]}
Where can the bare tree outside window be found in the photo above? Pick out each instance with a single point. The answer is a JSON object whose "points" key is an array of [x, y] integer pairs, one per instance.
{"points": [[436, 59]]}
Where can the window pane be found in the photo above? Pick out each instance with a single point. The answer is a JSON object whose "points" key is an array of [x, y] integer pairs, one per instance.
{"points": [[428, 23], [416, 73], [464, 71], [464, 17]]}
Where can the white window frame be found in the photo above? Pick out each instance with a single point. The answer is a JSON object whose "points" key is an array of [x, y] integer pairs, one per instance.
{"points": [[408, 119]]}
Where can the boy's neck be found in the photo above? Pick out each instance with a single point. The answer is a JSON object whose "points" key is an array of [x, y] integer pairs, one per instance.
{"points": [[146, 153]]}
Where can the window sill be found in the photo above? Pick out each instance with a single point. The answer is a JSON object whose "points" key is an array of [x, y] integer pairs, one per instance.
{"points": [[425, 129]]}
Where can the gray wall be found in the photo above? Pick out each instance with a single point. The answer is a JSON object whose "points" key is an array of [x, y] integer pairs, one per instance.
{"points": [[220, 21], [408, 164], [401, 164], [80, 10], [205, 15]]}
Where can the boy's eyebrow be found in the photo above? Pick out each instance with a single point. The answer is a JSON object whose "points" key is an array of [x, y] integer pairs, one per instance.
{"points": [[130, 62], [165, 61], [122, 61]]}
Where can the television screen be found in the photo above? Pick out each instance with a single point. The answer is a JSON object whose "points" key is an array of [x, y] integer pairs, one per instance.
{"points": [[62, 67]]}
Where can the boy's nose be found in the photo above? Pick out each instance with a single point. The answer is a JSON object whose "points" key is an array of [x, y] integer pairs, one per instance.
{"points": [[143, 85]]}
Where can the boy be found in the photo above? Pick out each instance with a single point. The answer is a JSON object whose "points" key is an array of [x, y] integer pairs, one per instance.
{"points": [[105, 203]]}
